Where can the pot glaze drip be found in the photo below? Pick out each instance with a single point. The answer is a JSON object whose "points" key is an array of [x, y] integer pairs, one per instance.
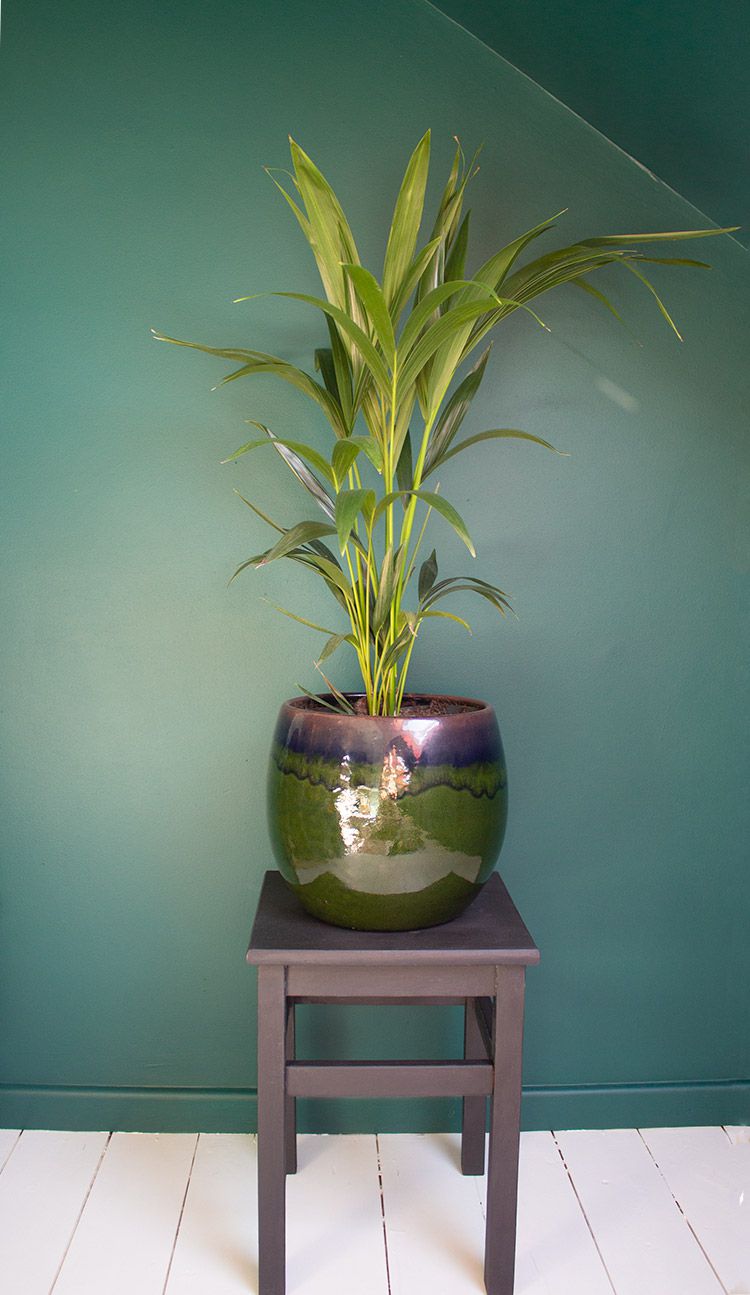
{"points": [[387, 823]]}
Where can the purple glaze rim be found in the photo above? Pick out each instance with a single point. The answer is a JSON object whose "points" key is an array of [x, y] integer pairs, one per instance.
{"points": [[464, 737]]}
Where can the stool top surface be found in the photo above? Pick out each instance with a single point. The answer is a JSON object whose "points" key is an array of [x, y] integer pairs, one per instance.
{"points": [[489, 931]]}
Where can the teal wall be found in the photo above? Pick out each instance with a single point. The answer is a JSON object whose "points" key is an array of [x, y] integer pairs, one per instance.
{"points": [[667, 80], [140, 692]]}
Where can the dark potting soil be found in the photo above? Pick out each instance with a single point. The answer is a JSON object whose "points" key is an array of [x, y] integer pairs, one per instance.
{"points": [[412, 708]]}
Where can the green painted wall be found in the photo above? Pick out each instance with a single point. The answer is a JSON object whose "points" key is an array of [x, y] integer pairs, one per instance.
{"points": [[139, 692], [667, 80]]}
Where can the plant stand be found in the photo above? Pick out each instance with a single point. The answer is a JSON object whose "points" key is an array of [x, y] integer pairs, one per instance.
{"points": [[478, 961]]}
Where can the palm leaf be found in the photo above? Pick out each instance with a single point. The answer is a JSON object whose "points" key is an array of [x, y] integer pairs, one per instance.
{"points": [[385, 591], [427, 575], [456, 261], [454, 413], [260, 514], [298, 450], [257, 362], [294, 462], [411, 278], [300, 619], [428, 309], [613, 240], [435, 501], [349, 503], [599, 296], [332, 644], [407, 218], [292, 539], [648, 284], [505, 433], [321, 701], [438, 334], [373, 300], [357, 336], [329, 236], [494, 271], [449, 616]]}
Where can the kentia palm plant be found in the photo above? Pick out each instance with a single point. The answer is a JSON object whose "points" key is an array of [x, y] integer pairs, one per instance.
{"points": [[393, 818], [396, 347]]}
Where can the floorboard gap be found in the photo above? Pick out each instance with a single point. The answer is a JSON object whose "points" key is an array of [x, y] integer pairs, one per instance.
{"points": [[179, 1221], [15, 1144], [382, 1213], [80, 1213], [682, 1212], [580, 1206]]}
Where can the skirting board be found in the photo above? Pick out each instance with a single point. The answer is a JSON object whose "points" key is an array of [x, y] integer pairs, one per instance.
{"points": [[170, 1110]]}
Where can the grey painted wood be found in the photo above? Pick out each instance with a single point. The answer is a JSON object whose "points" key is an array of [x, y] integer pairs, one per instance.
{"points": [[490, 931], [290, 1109], [505, 1115], [389, 981], [389, 1078], [485, 1008], [271, 1140], [473, 1109], [478, 960], [410, 1000]]}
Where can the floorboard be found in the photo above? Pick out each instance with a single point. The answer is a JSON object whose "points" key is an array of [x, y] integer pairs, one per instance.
{"points": [[644, 1240], [216, 1250], [737, 1133], [710, 1177], [334, 1221], [555, 1251], [433, 1216], [42, 1191], [615, 1212], [124, 1240]]}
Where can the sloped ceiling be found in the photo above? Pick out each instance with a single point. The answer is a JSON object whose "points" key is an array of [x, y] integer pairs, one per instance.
{"points": [[666, 80]]}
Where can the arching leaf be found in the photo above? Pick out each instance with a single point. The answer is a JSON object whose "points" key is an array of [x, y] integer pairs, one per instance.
{"points": [[503, 433], [334, 642], [291, 539], [257, 362], [297, 448]]}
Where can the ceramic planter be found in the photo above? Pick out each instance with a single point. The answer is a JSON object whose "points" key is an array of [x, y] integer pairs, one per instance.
{"points": [[387, 824]]}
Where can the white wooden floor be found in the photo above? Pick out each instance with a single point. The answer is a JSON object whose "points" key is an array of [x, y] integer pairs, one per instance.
{"points": [[637, 1212]]}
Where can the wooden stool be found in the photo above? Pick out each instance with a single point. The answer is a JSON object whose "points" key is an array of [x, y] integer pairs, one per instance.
{"points": [[478, 960]]}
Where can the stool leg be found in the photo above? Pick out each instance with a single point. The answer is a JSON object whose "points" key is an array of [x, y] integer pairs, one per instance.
{"points": [[505, 1112], [271, 1146], [473, 1109], [290, 1113]]}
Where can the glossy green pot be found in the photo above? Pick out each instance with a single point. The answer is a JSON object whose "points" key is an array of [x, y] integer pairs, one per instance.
{"points": [[387, 824]]}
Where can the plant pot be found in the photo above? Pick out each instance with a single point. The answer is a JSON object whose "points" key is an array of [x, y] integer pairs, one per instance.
{"points": [[387, 824]]}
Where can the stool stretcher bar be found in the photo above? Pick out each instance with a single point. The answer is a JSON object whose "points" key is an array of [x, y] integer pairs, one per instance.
{"points": [[397, 982], [389, 1078]]}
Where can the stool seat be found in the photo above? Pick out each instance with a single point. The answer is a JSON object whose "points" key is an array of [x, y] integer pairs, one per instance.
{"points": [[478, 960]]}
